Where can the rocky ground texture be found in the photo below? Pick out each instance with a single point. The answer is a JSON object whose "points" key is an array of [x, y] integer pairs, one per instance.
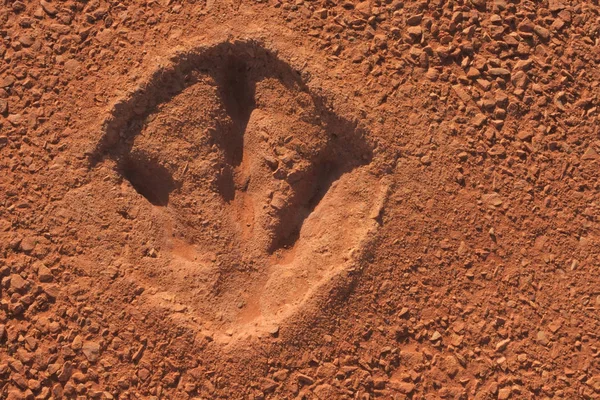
{"points": [[418, 218]]}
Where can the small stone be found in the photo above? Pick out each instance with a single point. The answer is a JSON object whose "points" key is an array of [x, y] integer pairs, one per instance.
{"points": [[473, 73], [3, 106], [432, 74], [19, 380], [281, 375], [363, 8], [525, 135], [18, 6], [77, 343], [435, 336], [27, 244], [554, 326], [414, 19], [497, 150], [52, 291], [484, 84], [404, 387], [380, 383], [34, 385], [590, 154], [274, 330], [456, 340], [44, 273], [479, 120], [501, 346], [451, 366], [268, 385], [79, 377], [558, 24], [415, 32], [53, 369], [556, 5], [594, 383], [91, 350], [425, 160], [71, 66], [65, 373], [18, 284], [15, 119], [26, 40], [499, 72], [542, 32], [7, 81], [492, 199], [321, 13], [525, 26], [461, 93], [48, 8], [542, 338], [137, 356], [305, 380], [504, 393]]}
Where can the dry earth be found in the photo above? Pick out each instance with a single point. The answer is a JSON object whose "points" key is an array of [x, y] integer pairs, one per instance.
{"points": [[299, 199]]}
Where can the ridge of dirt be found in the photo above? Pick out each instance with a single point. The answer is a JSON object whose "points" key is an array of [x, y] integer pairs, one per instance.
{"points": [[299, 199]]}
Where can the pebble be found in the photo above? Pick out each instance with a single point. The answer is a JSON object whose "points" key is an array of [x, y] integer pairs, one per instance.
{"points": [[415, 32], [18, 6], [594, 383], [461, 93], [44, 274], [404, 387], [18, 284], [492, 199], [19, 380], [26, 40], [499, 72], [48, 8], [3, 106], [91, 350], [542, 338], [556, 5], [65, 373], [542, 32], [501, 346], [27, 244], [590, 154], [504, 393], [77, 343], [479, 120], [268, 385], [305, 379], [7, 81]]}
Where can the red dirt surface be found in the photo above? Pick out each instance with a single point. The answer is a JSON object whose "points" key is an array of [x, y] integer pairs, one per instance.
{"points": [[300, 199]]}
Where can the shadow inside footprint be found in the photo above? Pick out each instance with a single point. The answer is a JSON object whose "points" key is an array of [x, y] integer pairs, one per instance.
{"points": [[148, 177]]}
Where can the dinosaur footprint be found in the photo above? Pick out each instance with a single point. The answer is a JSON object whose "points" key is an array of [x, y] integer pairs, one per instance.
{"points": [[262, 192]]}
